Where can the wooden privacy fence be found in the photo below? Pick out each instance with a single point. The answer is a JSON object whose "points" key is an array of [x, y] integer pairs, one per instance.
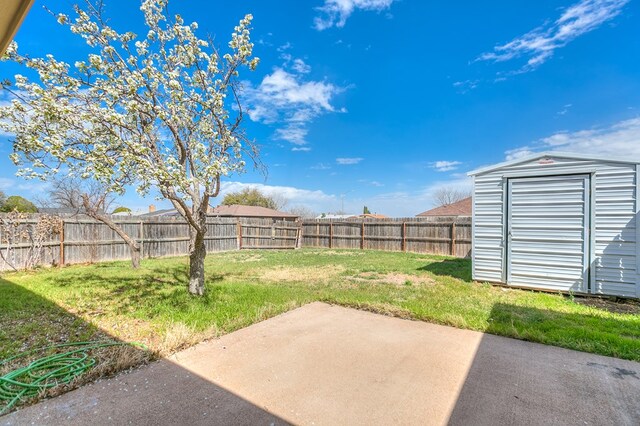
{"points": [[84, 240], [409, 234], [25, 243]]}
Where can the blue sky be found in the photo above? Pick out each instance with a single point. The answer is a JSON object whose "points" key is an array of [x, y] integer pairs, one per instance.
{"points": [[381, 102]]}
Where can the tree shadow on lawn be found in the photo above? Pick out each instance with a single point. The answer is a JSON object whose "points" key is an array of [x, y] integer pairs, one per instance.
{"points": [[455, 268], [125, 291], [30, 321]]}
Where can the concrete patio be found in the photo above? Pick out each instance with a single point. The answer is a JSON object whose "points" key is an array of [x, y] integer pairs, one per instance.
{"points": [[323, 364]]}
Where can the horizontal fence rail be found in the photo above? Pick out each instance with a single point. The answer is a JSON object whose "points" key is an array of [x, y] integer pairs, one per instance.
{"points": [[447, 237], [84, 240], [76, 240]]}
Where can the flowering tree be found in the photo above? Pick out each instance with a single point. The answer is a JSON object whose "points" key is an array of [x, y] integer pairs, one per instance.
{"points": [[161, 110]]}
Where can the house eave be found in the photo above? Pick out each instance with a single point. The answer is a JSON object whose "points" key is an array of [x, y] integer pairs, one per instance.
{"points": [[12, 13]]}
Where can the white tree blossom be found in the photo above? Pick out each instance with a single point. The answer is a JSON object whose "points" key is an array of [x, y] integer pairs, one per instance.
{"points": [[156, 110]]}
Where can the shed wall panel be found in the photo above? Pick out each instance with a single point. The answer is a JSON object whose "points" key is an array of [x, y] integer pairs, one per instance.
{"points": [[614, 233]]}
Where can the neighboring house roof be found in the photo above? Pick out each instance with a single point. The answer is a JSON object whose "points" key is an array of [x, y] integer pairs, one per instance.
{"points": [[336, 216], [459, 208], [12, 12], [372, 216], [237, 210], [162, 212], [538, 155]]}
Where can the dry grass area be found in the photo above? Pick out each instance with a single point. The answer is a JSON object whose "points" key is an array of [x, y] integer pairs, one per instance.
{"points": [[393, 278], [302, 274]]}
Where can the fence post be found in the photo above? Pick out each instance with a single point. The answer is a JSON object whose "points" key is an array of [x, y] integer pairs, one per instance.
{"points": [[61, 243], [330, 234], [317, 234], [239, 234], [404, 236], [453, 239], [362, 239], [141, 231]]}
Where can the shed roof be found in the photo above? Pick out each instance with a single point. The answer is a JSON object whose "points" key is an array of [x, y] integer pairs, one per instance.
{"points": [[237, 210], [459, 208], [538, 155]]}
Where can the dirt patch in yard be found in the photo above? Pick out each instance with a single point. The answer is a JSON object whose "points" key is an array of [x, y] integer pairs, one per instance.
{"points": [[246, 258], [621, 306], [307, 273], [393, 278], [326, 252]]}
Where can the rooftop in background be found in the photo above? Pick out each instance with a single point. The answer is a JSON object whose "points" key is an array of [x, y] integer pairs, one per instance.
{"points": [[335, 216], [372, 216], [459, 208], [157, 213], [237, 210]]}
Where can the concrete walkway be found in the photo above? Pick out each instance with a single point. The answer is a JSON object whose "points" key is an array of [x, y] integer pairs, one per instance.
{"points": [[324, 364]]}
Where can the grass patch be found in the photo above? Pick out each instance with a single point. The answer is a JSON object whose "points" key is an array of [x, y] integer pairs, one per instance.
{"points": [[151, 305]]}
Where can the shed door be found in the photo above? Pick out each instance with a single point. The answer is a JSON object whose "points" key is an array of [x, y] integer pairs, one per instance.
{"points": [[548, 232]]}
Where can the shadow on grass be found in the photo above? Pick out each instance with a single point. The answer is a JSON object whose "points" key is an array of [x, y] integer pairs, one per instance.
{"points": [[617, 336], [30, 321], [512, 382], [127, 291], [455, 268]]}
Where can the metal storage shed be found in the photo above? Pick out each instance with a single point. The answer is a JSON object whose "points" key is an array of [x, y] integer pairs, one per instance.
{"points": [[558, 221]]}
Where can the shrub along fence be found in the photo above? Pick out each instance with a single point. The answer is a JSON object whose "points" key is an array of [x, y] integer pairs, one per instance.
{"points": [[27, 241]]}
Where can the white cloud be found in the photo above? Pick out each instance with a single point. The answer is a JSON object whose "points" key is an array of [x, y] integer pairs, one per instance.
{"points": [[398, 203], [6, 183], [621, 139], [293, 134], [336, 12], [321, 166], [344, 161], [407, 203], [466, 85], [300, 66], [538, 45], [301, 149], [565, 109], [371, 182], [314, 199], [287, 98], [445, 166]]}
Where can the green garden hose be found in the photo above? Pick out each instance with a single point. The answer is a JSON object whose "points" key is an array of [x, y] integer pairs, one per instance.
{"points": [[49, 371]]}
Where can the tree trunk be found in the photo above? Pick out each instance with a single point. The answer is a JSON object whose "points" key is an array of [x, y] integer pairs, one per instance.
{"points": [[135, 256], [197, 255]]}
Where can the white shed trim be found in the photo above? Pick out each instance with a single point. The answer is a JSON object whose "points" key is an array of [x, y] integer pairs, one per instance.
{"points": [[550, 154], [638, 231]]}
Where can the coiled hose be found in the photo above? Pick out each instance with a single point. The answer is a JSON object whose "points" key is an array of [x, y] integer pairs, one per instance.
{"points": [[49, 371]]}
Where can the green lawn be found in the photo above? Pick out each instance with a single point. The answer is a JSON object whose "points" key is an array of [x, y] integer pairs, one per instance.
{"points": [[152, 306]]}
